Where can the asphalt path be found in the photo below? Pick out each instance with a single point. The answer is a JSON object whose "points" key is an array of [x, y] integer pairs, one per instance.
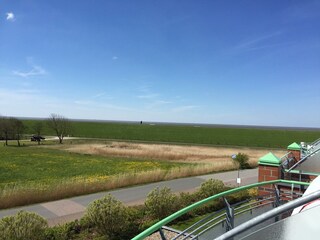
{"points": [[61, 211]]}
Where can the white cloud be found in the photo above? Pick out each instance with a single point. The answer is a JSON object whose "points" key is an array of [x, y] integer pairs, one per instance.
{"points": [[36, 70], [10, 16]]}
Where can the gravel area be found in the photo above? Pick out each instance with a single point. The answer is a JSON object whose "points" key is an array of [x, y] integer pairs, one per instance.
{"points": [[168, 235]]}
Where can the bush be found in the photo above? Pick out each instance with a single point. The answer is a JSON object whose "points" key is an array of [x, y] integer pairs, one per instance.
{"points": [[64, 232], [109, 216], [23, 225], [135, 214], [56, 233], [161, 202], [186, 198], [210, 188], [242, 160]]}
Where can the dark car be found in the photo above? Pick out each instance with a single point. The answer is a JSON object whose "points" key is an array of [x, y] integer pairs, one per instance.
{"points": [[36, 138]]}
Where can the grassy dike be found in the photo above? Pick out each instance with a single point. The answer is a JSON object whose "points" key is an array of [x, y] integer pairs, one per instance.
{"points": [[250, 137]]}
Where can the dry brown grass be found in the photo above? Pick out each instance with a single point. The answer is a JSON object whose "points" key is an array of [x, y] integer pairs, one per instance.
{"points": [[197, 154]]}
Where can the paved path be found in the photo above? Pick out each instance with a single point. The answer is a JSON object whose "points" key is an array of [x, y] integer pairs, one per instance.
{"points": [[65, 210]]}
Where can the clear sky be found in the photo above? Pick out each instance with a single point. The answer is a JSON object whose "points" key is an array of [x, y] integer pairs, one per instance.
{"points": [[251, 62]]}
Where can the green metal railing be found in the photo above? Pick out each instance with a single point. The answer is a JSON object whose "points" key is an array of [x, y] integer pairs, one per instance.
{"points": [[179, 213]]}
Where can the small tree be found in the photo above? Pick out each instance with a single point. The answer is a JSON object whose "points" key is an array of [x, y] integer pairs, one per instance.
{"points": [[23, 225], [6, 128], [60, 125], [161, 202], [18, 128], [109, 215], [241, 159], [37, 127]]}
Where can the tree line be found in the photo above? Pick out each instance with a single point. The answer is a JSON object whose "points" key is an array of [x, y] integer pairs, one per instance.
{"points": [[13, 128]]}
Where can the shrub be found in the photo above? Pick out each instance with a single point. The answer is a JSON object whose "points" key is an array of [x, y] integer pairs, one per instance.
{"points": [[161, 202], [135, 214], [242, 160], [109, 216], [56, 233], [23, 225], [64, 232], [211, 187], [186, 198]]}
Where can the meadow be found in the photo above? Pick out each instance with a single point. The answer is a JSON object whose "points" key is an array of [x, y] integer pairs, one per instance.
{"points": [[36, 173], [250, 137], [43, 164], [33, 173]]}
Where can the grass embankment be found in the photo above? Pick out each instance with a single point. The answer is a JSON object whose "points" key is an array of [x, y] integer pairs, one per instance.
{"points": [[33, 174], [189, 134]]}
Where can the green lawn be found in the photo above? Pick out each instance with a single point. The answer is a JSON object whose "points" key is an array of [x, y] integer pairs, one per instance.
{"points": [[189, 134], [31, 173], [40, 164]]}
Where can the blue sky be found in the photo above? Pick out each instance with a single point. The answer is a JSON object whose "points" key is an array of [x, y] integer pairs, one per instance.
{"points": [[199, 61]]}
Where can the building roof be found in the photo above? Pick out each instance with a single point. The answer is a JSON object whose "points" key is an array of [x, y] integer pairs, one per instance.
{"points": [[294, 146], [270, 159]]}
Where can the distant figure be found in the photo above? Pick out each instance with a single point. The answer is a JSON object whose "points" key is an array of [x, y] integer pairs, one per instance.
{"points": [[140, 122]]}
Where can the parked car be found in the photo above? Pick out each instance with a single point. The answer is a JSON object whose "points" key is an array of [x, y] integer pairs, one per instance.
{"points": [[36, 138]]}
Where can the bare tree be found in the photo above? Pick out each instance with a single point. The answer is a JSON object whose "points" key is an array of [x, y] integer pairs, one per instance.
{"points": [[6, 128], [60, 125], [18, 128], [37, 127]]}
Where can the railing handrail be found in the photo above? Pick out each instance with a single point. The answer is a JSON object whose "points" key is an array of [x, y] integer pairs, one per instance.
{"points": [[315, 142], [285, 159], [285, 156], [303, 159], [189, 208], [270, 214], [203, 220]]}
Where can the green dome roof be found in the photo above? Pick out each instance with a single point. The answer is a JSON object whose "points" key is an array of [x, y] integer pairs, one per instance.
{"points": [[294, 146], [270, 159]]}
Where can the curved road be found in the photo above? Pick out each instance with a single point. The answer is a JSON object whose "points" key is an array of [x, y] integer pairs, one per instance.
{"points": [[61, 211]]}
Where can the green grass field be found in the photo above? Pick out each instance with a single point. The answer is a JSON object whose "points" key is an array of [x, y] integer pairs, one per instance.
{"points": [[32, 163], [32, 173], [189, 134]]}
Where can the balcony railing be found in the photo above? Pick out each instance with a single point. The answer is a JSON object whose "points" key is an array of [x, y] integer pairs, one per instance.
{"points": [[228, 218]]}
